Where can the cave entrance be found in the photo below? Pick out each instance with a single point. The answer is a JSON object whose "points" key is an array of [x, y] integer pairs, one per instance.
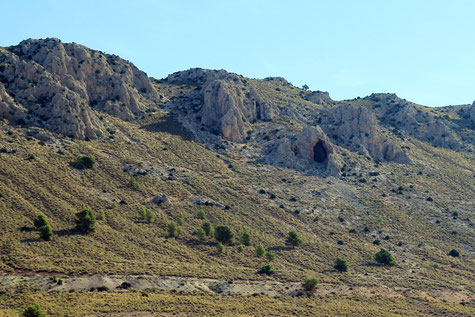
{"points": [[319, 152]]}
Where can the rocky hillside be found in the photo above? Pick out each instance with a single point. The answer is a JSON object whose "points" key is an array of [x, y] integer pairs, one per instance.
{"points": [[258, 155]]}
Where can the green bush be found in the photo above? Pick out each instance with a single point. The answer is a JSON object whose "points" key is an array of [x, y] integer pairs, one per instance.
{"points": [[86, 161], [133, 182], [149, 216], [173, 229], [201, 234], [270, 256], [207, 228], [266, 269], [85, 221], [246, 238], [180, 220], [101, 215], [310, 284], [224, 234], [34, 311], [454, 253], [240, 248], [220, 248], [40, 221], [384, 257], [293, 239], [341, 265], [260, 250], [201, 214], [46, 232]]}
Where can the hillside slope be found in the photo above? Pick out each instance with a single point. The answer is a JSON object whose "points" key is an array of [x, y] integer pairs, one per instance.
{"points": [[260, 156]]}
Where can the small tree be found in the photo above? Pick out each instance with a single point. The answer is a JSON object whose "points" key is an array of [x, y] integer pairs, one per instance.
{"points": [[34, 311], [173, 229], [266, 269], [46, 232], [201, 214], [207, 228], [86, 221], [86, 161], [246, 238], [180, 220], [270, 256], [260, 250], [454, 253], [305, 87], [384, 257], [40, 221], [220, 248], [149, 216], [341, 265], [101, 215], [224, 234], [201, 234], [310, 284], [293, 239]]}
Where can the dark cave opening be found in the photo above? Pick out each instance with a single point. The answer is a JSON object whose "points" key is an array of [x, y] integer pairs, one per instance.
{"points": [[319, 152]]}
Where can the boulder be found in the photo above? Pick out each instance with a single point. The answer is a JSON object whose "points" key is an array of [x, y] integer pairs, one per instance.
{"points": [[161, 200]]}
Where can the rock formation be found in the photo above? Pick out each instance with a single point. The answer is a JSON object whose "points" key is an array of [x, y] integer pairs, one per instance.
{"points": [[356, 129], [472, 114], [319, 97], [58, 85], [310, 148]]}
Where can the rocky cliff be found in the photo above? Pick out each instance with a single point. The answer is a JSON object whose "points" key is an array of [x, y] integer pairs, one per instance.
{"points": [[63, 86]]}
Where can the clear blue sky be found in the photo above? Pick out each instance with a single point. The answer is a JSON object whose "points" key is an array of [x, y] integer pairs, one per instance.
{"points": [[423, 50]]}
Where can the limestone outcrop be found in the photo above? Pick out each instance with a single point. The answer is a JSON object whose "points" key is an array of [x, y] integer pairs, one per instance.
{"points": [[319, 97], [310, 148], [62, 85], [356, 128]]}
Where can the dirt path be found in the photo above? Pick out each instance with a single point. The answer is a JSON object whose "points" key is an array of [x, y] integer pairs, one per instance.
{"points": [[188, 285]]}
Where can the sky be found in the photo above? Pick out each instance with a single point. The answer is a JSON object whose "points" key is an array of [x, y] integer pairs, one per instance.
{"points": [[422, 50]]}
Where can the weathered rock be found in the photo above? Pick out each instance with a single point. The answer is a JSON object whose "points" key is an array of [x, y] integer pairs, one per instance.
{"points": [[356, 128], [319, 97], [204, 201], [310, 148], [61, 85], [161, 200]]}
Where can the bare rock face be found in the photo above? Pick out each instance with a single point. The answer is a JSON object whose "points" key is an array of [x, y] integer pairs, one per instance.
{"points": [[319, 97], [229, 104], [310, 148], [61, 85], [424, 126], [229, 108], [356, 128]]}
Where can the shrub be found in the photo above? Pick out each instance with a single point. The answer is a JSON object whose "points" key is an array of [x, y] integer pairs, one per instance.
{"points": [[133, 182], [40, 221], [220, 248], [46, 232], [86, 161], [173, 229], [384, 257], [266, 269], [201, 214], [246, 238], [149, 216], [270, 256], [201, 234], [260, 250], [224, 234], [240, 248], [34, 311], [101, 215], [454, 253], [86, 221], [143, 213], [207, 228], [310, 284], [179, 220], [341, 265], [293, 239]]}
